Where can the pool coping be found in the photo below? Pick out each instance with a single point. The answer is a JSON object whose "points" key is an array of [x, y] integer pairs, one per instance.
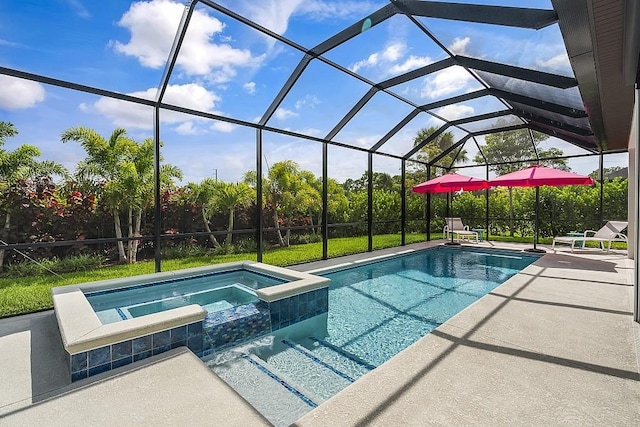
{"points": [[81, 330]]}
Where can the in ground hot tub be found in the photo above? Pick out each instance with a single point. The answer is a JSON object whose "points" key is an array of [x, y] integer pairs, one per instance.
{"points": [[214, 300], [215, 291], [111, 323]]}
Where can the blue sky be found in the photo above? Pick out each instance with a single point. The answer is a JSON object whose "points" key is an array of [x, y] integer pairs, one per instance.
{"points": [[231, 70]]}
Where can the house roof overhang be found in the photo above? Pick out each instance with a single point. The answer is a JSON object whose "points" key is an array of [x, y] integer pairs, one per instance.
{"points": [[602, 41]]}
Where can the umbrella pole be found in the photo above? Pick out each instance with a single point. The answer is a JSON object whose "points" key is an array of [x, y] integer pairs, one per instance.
{"points": [[451, 243], [535, 233]]}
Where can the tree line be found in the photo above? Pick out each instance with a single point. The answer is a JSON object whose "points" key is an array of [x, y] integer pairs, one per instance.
{"points": [[110, 194]]}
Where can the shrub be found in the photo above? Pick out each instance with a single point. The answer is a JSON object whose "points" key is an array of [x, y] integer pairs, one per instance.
{"points": [[81, 262]]}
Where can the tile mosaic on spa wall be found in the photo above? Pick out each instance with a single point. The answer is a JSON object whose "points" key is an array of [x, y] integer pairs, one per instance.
{"points": [[98, 360], [235, 325], [287, 311]]}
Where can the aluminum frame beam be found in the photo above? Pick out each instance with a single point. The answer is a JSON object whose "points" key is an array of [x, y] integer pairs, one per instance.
{"points": [[553, 123], [538, 103], [350, 32], [520, 73], [496, 15]]}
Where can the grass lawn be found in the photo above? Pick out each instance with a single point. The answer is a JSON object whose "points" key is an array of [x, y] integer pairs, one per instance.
{"points": [[29, 294]]}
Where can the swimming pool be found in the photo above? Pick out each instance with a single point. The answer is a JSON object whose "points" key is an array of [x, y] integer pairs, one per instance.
{"points": [[375, 311]]}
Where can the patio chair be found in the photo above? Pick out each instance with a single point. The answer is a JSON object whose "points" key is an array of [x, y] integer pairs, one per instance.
{"points": [[459, 230], [610, 232]]}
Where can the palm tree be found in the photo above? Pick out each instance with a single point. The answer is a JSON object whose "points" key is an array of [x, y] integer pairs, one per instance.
{"points": [[288, 191], [104, 160], [279, 190], [230, 196], [126, 168], [440, 144], [19, 164], [203, 196], [139, 184]]}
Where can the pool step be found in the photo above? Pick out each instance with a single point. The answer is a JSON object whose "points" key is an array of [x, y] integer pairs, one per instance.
{"points": [[341, 359], [274, 395], [312, 373], [285, 379]]}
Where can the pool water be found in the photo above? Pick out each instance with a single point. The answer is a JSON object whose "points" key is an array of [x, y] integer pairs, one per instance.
{"points": [[375, 311], [214, 291]]}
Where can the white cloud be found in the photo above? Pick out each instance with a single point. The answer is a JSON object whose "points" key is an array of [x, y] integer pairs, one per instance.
{"points": [[79, 9], [272, 14], [187, 128], [309, 101], [284, 114], [190, 95], [459, 45], [250, 87], [371, 61], [153, 25], [322, 10], [240, 162], [411, 63], [17, 94], [445, 82], [361, 141], [276, 14], [455, 111], [8, 43], [556, 63], [137, 116], [394, 51], [308, 131], [225, 127], [385, 59], [367, 141]]}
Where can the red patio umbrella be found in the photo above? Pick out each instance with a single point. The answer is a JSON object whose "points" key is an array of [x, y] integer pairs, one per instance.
{"points": [[536, 176], [449, 183]]}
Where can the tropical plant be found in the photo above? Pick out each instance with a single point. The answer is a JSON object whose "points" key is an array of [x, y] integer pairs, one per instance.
{"points": [[287, 192], [125, 168], [436, 148], [381, 181], [16, 165], [138, 178], [203, 196], [230, 196]]}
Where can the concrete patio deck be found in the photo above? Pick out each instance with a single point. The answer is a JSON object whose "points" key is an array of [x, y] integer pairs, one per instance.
{"points": [[554, 345]]}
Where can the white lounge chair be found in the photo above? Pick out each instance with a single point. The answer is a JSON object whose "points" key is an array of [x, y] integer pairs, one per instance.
{"points": [[461, 231], [610, 232]]}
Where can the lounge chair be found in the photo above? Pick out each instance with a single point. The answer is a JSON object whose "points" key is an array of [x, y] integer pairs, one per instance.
{"points": [[610, 232], [461, 231]]}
